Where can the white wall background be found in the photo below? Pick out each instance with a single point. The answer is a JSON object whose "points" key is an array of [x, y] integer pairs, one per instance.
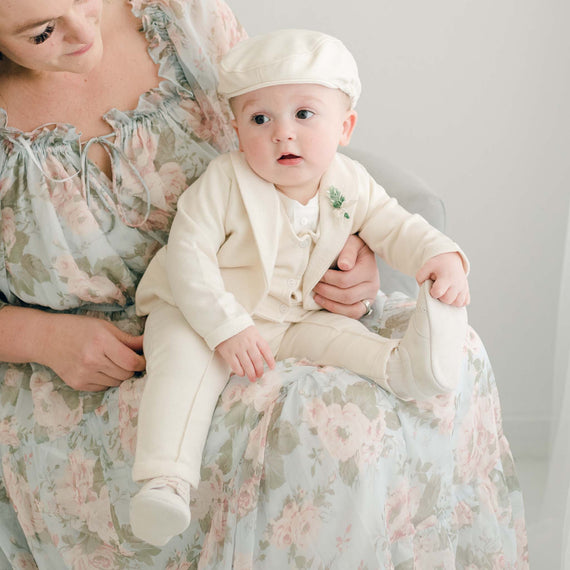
{"points": [[473, 97]]}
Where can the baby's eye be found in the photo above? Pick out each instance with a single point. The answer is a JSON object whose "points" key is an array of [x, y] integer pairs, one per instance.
{"points": [[260, 119], [44, 36], [304, 114]]}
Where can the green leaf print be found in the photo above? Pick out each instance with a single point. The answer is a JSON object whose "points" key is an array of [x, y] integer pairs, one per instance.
{"points": [[363, 394], [348, 471], [284, 438], [274, 470], [35, 267]]}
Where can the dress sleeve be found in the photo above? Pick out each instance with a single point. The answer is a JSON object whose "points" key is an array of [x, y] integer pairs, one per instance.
{"points": [[3, 284], [5, 223], [202, 31]]}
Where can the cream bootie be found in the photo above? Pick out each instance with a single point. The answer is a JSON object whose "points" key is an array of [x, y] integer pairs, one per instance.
{"points": [[160, 510], [428, 359]]}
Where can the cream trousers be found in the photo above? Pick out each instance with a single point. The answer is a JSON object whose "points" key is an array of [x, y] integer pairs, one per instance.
{"points": [[185, 379]]}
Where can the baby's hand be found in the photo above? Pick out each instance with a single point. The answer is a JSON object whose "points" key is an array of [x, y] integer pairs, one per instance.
{"points": [[245, 353], [449, 280]]}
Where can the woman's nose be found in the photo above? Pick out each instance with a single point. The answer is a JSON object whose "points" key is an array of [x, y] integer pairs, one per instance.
{"points": [[79, 28]]}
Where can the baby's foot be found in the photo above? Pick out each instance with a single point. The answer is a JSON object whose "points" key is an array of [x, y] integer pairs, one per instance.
{"points": [[428, 359], [161, 510]]}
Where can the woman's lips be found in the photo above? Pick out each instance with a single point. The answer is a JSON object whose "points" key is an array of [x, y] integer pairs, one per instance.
{"points": [[82, 50]]}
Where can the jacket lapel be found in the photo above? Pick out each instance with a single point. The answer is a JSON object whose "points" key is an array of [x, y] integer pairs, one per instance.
{"points": [[262, 205], [334, 227]]}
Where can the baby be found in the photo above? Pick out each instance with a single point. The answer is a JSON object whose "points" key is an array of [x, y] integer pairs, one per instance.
{"points": [[251, 238]]}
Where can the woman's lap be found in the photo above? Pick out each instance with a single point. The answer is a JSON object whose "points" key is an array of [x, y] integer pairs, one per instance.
{"points": [[310, 467]]}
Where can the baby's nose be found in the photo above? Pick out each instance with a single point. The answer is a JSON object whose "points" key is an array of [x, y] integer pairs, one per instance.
{"points": [[283, 131]]}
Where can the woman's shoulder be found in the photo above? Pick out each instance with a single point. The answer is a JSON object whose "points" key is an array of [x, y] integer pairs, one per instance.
{"points": [[196, 25]]}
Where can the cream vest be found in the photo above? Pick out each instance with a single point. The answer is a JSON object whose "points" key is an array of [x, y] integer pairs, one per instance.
{"points": [[299, 233]]}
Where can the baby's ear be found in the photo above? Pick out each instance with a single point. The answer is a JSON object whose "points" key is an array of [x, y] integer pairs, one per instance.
{"points": [[235, 127], [348, 127]]}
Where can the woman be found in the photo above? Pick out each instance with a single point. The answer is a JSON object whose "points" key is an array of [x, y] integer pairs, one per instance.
{"points": [[308, 467]]}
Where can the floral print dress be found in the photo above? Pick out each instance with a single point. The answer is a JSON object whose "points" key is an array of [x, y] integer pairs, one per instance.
{"points": [[311, 467]]}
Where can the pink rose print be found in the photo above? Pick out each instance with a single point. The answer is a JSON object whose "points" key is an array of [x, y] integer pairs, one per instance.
{"points": [[209, 491], [13, 377], [374, 445], [242, 561], [233, 393], [282, 528], [74, 494], [443, 409], [247, 496], [343, 429], [80, 557], [53, 413], [398, 514], [130, 393], [264, 392], [306, 525], [78, 216], [96, 289], [178, 565], [298, 524], [24, 500], [173, 181], [219, 521], [24, 561], [462, 515], [8, 229], [8, 433], [257, 440], [477, 451], [143, 149]]}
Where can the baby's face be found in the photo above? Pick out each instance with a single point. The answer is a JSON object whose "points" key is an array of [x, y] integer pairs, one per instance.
{"points": [[290, 133]]}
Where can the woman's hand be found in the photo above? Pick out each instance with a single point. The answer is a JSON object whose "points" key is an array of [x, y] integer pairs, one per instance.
{"points": [[342, 290], [85, 352], [89, 353]]}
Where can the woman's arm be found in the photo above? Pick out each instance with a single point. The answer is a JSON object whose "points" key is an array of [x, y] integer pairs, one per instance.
{"points": [[342, 290], [85, 352]]}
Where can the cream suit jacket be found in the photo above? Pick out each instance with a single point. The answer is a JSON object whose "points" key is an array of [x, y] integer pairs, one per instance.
{"points": [[223, 244]]}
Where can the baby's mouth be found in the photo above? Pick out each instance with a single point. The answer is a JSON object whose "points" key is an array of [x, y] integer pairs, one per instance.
{"points": [[286, 158]]}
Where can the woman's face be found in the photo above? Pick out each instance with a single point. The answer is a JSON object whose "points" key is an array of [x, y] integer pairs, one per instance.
{"points": [[51, 35]]}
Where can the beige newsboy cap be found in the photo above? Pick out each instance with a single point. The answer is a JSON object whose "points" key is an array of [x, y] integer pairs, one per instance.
{"points": [[288, 56]]}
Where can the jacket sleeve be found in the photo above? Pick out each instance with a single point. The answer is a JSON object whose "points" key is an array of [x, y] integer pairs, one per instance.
{"points": [[404, 240], [192, 269]]}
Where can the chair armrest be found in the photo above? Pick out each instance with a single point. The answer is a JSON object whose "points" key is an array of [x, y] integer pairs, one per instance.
{"points": [[414, 195]]}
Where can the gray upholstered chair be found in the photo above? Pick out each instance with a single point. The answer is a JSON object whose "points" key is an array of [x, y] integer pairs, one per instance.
{"points": [[414, 195]]}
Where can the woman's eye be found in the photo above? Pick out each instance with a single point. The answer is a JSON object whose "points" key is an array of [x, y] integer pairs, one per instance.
{"points": [[41, 38], [304, 114], [260, 119]]}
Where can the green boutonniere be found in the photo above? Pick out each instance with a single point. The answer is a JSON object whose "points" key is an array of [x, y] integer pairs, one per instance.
{"points": [[337, 200]]}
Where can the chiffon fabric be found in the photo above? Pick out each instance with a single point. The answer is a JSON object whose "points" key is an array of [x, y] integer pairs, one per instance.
{"points": [[311, 467]]}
